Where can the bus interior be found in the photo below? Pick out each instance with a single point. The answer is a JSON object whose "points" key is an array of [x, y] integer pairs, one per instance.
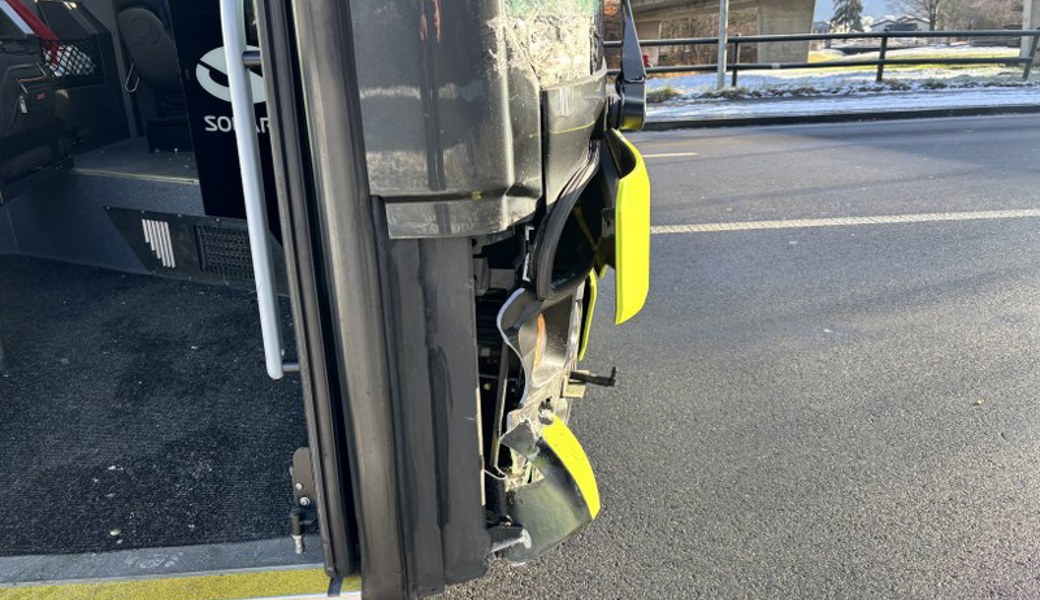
{"points": [[136, 418]]}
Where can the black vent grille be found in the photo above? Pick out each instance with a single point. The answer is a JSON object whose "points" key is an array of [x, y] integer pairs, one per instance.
{"points": [[224, 252]]}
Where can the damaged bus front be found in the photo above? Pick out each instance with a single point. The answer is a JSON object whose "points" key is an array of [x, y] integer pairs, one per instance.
{"points": [[494, 183]]}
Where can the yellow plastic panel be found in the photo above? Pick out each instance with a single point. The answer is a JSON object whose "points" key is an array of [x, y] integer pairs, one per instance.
{"points": [[567, 448], [632, 234], [592, 289]]}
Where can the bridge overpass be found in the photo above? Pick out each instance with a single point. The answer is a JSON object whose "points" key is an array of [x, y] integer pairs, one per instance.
{"points": [[774, 16]]}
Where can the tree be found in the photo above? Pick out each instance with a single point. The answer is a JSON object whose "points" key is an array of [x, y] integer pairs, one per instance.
{"points": [[926, 10], [848, 15], [981, 14]]}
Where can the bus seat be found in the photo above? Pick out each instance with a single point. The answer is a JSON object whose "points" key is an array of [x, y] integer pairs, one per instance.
{"points": [[151, 47]]}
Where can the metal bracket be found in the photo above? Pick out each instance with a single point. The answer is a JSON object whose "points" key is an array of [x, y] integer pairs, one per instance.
{"points": [[303, 478], [304, 512], [504, 537], [629, 109], [591, 379]]}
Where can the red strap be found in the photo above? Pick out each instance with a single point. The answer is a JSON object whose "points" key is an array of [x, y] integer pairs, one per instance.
{"points": [[46, 35]]}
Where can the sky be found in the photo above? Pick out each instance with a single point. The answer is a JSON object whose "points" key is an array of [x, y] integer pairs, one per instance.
{"points": [[871, 8]]}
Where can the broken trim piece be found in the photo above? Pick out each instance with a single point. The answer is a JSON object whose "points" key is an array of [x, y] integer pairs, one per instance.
{"points": [[564, 501]]}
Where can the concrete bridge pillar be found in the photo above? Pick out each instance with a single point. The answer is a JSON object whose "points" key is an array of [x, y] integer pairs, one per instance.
{"points": [[774, 16], [1030, 20], [788, 16], [650, 29]]}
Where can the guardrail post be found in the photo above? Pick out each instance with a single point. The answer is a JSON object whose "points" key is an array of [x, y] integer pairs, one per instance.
{"points": [[736, 59], [881, 59], [1028, 67], [723, 42]]}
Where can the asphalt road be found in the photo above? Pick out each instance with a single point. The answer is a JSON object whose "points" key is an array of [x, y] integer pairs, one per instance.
{"points": [[844, 411]]}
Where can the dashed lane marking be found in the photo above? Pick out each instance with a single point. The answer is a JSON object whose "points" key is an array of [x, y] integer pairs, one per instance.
{"points": [[846, 221], [670, 155]]}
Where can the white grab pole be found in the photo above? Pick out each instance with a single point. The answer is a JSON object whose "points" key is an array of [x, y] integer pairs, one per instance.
{"points": [[232, 22]]}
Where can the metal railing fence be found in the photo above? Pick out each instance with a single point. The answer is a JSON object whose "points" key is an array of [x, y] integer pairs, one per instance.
{"points": [[880, 62]]}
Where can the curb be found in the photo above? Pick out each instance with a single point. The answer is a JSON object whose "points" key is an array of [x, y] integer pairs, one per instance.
{"points": [[928, 113]]}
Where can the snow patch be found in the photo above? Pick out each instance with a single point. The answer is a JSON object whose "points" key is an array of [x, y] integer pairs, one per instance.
{"points": [[891, 102]]}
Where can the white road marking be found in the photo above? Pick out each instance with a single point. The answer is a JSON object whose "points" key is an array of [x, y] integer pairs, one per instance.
{"points": [[670, 155], [846, 221]]}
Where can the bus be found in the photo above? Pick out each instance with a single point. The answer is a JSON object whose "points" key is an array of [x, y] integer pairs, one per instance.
{"points": [[294, 295]]}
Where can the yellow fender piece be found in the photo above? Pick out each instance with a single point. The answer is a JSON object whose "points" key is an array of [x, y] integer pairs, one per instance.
{"points": [[632, 230], [559, 438], [559, 504]]}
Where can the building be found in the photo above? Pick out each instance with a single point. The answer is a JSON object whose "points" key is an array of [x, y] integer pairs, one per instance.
{"points": [[904, 23]]}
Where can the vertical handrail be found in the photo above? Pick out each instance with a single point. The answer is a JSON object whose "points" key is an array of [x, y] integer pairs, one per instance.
{"points": [[881, 59], [232, 24]]}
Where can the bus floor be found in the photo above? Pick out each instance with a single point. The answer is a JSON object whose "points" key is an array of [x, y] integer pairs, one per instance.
{"points": [[135, 412]]}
